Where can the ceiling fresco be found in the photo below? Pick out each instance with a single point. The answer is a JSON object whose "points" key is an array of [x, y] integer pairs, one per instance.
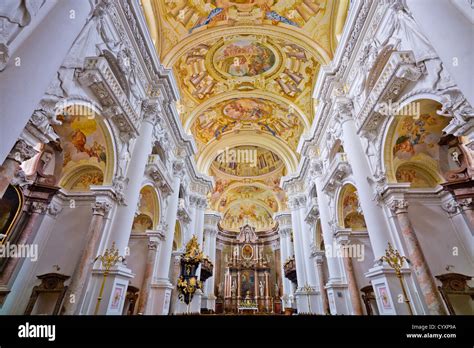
{"points": [[255, 114], [246, 70], [246, 161]]}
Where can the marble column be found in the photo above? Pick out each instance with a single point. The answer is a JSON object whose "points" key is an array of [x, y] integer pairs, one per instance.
{"points": [[255, 288], [153, 243], [322, 289], [417, 259], [100, 210], [163, 284], [36, 211], [22, 82], [467, 207], [352, 283], [239, 294]]}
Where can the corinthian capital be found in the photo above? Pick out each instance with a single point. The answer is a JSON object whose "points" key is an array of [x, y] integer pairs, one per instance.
{"points": [[178, 168], [399, 206], [316, 167], [151, 110], [343, 109], [101, 208]]}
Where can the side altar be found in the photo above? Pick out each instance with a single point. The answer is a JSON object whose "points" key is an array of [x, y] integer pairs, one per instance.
{"points": [[247, 276]]}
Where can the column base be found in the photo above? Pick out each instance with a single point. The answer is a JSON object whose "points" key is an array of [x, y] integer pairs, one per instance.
{"points": [[389, 293], [193, 308], [308, 302], [338, 297], [208, 302], [113, 295], [160, 295]]}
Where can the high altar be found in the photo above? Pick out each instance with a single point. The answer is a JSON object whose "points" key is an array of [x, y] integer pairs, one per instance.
{"points": [[247, 276]]}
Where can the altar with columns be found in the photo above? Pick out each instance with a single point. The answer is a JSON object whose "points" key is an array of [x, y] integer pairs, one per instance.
{"points": [[247, 281]]}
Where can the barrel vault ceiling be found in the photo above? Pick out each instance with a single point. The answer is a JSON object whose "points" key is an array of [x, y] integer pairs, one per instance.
{"points": [[246, 71]]}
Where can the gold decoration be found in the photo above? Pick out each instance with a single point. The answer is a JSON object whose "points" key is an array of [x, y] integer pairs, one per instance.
{"points": [[108, 260], [193, 253], [393, 258]]}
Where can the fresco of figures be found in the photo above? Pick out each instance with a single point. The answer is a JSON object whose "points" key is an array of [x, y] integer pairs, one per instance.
{"points": [[350, 209], [415, 147], [244, 58], [83, 144], [247, 213], [256, 114]]}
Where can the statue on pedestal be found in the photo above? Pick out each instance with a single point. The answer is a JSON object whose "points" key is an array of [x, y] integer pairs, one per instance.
{"points": [[261, 289]]}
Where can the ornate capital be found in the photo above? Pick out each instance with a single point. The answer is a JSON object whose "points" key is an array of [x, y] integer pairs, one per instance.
{"points": [[119, 184], [153, 244], [316, 167], [452, 207], [163, 229], [466, 203], [178, 168], [202, 203], [343, 109], [54, 209], [297, 201], [399, 206], [22, 152], [101, 208], [151, 110], [284, 231], [38, 207]]}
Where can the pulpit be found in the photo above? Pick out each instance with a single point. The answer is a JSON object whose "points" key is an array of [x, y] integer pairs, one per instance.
{"points": [[247, 276]]}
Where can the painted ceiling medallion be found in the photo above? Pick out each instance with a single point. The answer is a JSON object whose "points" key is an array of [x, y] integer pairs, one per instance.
{"points": [[244, 58]]}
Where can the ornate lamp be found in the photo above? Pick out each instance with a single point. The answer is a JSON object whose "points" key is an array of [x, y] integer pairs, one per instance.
{"points": [[188, 283]]}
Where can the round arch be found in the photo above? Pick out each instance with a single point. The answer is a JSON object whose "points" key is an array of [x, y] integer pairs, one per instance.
{"points": [[279, 32], [235, 185], [410, 149], [97, 140], [349, 214], [188, 122], [149, 204]]}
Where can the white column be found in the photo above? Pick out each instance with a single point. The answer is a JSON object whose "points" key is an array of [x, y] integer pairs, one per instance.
{"points": [[381, 276], [306, 236], [328, 237], [123, 221], [337, 305], [287, 287], [199, 232], [452, 40], [298, 240], [121, 226], [34, 63], [374, 215], [210, 282], [162, 283]]}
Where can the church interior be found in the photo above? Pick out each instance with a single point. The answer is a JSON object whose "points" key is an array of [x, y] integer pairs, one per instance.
{"points": [[236, 157]]}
